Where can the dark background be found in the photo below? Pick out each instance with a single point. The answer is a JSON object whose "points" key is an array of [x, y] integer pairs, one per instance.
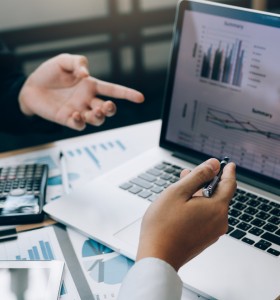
{"points": [[129, 48]]}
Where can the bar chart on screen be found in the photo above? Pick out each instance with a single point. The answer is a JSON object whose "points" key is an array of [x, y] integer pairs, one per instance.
{"points": [[41, 244], [221, 56]]}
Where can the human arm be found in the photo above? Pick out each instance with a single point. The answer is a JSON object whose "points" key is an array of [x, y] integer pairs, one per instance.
{"points": [[178, 226], [62, 91], [11, 81]]}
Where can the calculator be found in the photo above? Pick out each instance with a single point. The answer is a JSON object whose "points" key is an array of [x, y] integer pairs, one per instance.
{"points": [[22, 193]]}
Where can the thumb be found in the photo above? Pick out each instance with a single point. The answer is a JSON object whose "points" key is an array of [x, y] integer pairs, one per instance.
{"points": [[81, 66], [227, 185], [191, 183], [76, 64]]}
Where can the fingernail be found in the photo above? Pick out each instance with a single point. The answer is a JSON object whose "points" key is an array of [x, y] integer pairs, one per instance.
{"points": [[84, 70], [98, 114], [110, 109]]}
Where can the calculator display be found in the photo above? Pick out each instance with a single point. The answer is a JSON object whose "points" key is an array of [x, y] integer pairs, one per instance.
{"points": [[26, 204]]}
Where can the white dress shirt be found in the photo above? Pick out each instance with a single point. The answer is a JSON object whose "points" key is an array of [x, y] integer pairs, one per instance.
{"points": [[151, 279]]}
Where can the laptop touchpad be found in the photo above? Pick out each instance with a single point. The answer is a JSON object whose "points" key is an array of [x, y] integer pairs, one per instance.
{"points": [[130, 234]]}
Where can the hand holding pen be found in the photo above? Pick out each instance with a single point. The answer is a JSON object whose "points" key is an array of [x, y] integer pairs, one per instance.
{"points": [[211, 186]]}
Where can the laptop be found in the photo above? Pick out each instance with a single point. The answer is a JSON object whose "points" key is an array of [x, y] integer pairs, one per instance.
{"points": [[221, 99]]}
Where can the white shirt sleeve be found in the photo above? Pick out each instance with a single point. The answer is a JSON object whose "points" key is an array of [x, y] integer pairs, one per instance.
{"points": [[153, 279]]}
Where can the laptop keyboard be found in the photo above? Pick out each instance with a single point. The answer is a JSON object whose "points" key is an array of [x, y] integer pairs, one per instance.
{"points": [[151, 183], [252, 219], [255, 220]]}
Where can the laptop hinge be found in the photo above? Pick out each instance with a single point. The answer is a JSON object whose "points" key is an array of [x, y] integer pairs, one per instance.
{"points": [[261, 184], [188, 158]]}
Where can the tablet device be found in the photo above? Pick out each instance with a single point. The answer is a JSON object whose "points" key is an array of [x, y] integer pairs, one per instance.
{"points": [[30, 280]]}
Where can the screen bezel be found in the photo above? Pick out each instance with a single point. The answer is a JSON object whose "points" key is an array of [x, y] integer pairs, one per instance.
{"points": [[250, 177]]}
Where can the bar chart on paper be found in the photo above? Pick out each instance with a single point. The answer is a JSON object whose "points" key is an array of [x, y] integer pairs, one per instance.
{"points": [[94, 157], [97, 154], [39, 245]]}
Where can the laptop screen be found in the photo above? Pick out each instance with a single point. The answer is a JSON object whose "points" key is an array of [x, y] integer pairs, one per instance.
{"points": [[223, 90]]}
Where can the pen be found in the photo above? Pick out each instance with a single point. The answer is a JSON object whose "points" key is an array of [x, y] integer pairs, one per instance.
{"points": [[210, 187], [64, 174], [11, 232]]}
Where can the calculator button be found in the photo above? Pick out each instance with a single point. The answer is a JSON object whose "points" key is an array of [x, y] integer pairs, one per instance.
{"points": [[17, 192]]}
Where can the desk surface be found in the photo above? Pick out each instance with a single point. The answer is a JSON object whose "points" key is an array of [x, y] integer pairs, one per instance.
{"points": [[131, 141], [150, 129]]}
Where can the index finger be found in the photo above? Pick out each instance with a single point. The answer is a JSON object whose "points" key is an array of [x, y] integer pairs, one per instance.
{"points": [[227, 186], [118, 91]]}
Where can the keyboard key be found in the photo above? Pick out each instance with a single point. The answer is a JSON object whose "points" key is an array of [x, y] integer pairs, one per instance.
{"points": [[232, 221], [248, 241], [145, 194], [263, 200], [274, 220], [142, 183], [157, 189], [253, 203], [271, 238], [154, 172], [262, 215], [238, 234], [160, 182], [244, 226], [253, 196], [165, 176], [276, 212], [125, 186], [275, 204], [177, 167], [250, 210], [278, 232], [265, 207], [258, 222], [160, 166], [246, 218], [177, 174], [240, 191], [135, 190], [256, 231], [148, 177], [263, 245], [270, 227], [234, 213], [273, 252], [170, 170], [241, 198], [239, 206]]}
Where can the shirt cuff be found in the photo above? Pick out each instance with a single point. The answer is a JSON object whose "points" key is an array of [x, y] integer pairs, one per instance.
{"points": [[153, 279]]}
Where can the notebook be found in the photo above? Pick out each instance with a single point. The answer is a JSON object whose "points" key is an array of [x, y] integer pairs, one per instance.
{"points": [[221, 99]]}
